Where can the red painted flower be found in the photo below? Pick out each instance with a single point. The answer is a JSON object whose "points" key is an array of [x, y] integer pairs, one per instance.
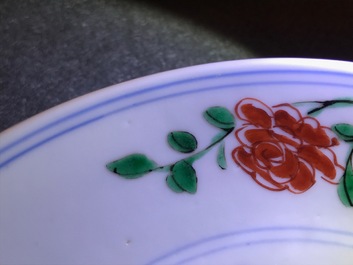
{"points": [[282, 150]]}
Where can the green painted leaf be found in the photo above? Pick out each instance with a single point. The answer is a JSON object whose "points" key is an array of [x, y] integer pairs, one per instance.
{"points": [[173, 185], [185, 176], [219, 117], [221, 158], [132, 166], [219, 136], [182, 141], [345, 187], [344, 131]]}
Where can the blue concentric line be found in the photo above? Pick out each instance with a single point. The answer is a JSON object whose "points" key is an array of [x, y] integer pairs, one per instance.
{"points": [[164, 86], [155, 88], [265, 242], [194, 244]]}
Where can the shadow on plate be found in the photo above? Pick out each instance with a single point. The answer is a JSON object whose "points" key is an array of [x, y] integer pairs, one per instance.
{"points": [[316, 29]]}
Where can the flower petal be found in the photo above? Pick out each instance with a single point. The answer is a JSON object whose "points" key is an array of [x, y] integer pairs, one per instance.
{"points": [[339, 168], [304, 179], [285, 121], [258, 135], [246, 161], [286, 116], [312, 133], [318, 160], [255, 112], [286, 138], [280, 149], [267, 153], [289, 166]]}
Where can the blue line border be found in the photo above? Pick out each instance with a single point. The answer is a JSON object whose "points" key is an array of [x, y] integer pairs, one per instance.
{"points": [[163, 86], [249, 231], [265, 242], [155, 88]]}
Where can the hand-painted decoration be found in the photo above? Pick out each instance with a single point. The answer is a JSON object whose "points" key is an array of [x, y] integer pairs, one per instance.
{"points": [[181, 176], [278, 147]]}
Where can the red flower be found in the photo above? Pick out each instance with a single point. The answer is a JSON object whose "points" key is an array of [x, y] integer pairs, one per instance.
{"points": [[280, 149]]}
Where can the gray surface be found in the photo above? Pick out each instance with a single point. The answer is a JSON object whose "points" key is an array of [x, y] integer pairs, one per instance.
{"points": [[52, 51]]}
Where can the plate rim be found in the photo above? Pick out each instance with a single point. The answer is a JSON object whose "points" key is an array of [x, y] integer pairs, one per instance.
{"points": [[44, 120]]}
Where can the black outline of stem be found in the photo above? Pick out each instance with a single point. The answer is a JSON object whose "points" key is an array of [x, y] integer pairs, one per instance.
{"points": [[345, 178], [197, 155], [327, 103]]}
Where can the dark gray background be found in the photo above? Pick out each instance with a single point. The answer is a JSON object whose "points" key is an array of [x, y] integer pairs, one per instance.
{"points": [[52, 51]]}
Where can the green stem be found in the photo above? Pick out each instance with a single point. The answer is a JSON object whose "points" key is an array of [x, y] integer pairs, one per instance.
{"points": [[345, 179], [326, 104], [197, 155]]}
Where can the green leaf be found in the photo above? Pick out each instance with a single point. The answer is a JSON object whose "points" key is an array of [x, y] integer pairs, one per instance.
{"points": [[344, 131], [345, 187], [219, 117], [184, 176], [132, 166], [221, 158], [173, 185], [182, 141], [219, 136]]}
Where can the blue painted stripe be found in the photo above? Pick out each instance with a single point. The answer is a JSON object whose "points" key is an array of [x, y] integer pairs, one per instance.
{"points": [[246, 232], [164, 86], [266, 242], [133, 94]]}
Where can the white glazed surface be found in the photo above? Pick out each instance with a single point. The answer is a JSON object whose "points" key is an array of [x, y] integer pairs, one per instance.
{"points": [[60, 205]]}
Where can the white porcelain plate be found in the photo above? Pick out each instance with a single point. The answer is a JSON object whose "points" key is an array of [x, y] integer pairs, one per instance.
{"points": [[244, 162]]}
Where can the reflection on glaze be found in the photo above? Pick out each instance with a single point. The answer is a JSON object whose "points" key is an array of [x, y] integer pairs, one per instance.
{"points": [[278, 147]]}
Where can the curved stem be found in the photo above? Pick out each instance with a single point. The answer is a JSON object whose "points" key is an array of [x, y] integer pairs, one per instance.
{"points": [[327, 103], [345, 177], [198, 155]]}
